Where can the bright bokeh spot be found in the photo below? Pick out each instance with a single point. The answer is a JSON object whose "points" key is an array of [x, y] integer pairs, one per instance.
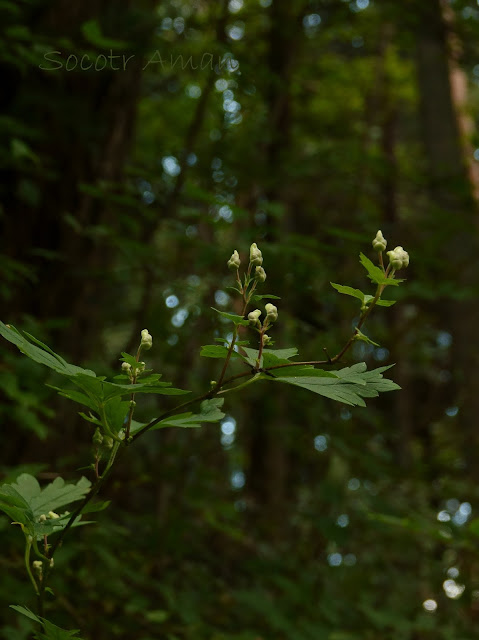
{"points": [[429, 605], [320, 443], [335, 559], [452, 589]]}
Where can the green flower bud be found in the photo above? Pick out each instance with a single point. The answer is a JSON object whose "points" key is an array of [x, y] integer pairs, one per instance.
{"points": [[234, 262], [146, 340], [253, 317], [126, 367], [379, 242], [108, 442], [398, 258], [255, 255], [42, 518], [271, 312], [260, 274], [266, 340], [97, 437], [53, 515]]}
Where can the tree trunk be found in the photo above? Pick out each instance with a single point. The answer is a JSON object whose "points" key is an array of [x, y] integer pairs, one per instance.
{"points": [[454, 211]]}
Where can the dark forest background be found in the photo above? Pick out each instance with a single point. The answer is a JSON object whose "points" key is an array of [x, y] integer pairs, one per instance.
{"points": [[304, 126]]}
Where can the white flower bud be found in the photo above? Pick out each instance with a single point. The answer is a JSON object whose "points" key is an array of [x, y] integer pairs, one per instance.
{"points": [[253, 316], [52, 563], [53, 515], [266, 339], [255, 255], [379, 242], [146, 340], [42, 518], [37, 566], [260, 274], [234, 262], [126, 367], [398, 258], [271, 312]]}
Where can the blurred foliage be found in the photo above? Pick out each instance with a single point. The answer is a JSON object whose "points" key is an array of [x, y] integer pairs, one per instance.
{"points": [[123, 193]]}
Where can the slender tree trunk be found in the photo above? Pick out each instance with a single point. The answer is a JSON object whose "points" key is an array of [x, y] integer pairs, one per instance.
{"points": [[453, 210]]}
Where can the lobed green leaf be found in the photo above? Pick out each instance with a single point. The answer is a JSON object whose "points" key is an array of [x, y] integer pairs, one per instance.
{"points": [[42, 353], [217, 351], [233, 317], [376, 274], [348, 291]]}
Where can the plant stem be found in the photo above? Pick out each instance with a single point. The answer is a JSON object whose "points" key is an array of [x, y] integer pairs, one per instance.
{"points": [[209, 394], [132, 400], [93, 492], [362, 319], [235, 336], [27, 565], [381, 261], [166, 414], [261, 345]]}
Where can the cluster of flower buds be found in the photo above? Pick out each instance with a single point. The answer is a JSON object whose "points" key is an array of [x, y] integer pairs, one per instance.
{"points": [[51, 515], [271, 316], [146, 340], [38, 567], [133, 372], [398, 258], [257, 275], [255, 261]]}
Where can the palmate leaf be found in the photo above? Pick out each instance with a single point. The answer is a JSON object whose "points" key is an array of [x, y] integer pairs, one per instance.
{"points": [[348, 291], [376, 274], [94, 390], [24, 501], [270, 357], [102, 391], [364, 297], [41, 353], [264, 296], [216, 351], [210, 411], [380, 302], [50, 630], [105, 398], [349, 385], [233, 317]]}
